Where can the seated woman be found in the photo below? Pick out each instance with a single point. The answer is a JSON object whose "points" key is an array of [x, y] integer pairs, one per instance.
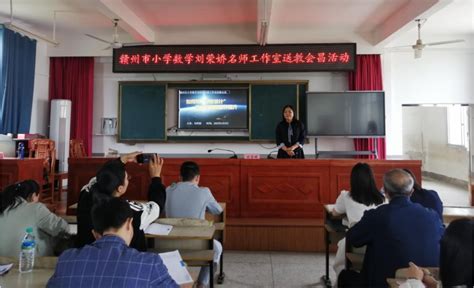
{"points": [[112, 181], [455, 263], [19, 209], [426, 198], [363, 196]]}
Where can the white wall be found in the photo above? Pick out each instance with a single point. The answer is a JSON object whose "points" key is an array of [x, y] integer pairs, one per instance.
{"points": [[40, 108], [106, 105], [425, 137], [440, 76]]}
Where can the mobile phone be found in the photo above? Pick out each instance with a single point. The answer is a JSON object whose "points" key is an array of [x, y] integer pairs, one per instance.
{"points": [[145, 157]]}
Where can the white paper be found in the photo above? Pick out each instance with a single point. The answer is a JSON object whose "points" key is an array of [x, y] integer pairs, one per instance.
{"points": [[5, 268], [176, 267], [73, 229], [158, 229]]}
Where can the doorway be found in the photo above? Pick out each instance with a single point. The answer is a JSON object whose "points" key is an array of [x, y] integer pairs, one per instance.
{"points": [[438, 135]]}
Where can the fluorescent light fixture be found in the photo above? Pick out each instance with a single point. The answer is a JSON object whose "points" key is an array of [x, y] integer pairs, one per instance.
{"points": [[263, 33], [29, 33]]}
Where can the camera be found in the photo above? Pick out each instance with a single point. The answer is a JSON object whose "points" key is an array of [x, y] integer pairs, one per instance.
{"points": [[145, 157]]}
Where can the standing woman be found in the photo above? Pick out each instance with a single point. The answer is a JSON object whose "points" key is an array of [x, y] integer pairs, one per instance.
{"points": [[290, 135], [20, 209]]}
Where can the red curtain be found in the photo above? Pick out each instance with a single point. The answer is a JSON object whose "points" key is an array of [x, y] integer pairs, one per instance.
{"points": [[368, 76], [72, 78]]}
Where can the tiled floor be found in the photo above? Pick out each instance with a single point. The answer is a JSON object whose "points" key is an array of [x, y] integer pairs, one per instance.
{"points": [[273, 269]]}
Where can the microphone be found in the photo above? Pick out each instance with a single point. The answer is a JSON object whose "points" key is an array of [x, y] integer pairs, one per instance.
{"points": [[269, 156], [227, 150]]}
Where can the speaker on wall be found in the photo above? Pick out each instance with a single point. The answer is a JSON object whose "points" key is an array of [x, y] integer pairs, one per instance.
{"points": [[60, 130]]}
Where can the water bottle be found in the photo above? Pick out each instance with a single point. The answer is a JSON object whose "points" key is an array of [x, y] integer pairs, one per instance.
{"points": [[27, 253], [21, 151]]}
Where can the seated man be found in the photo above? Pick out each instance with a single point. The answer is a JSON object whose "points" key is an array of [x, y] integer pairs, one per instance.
{"points": [[187, 200], [109, 262], [395, 234]]}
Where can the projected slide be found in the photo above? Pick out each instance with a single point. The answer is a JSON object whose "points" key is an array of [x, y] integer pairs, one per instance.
{"points": [[213, 109]]}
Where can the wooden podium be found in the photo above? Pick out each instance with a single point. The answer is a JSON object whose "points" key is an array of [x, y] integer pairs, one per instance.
{"points": [[281, 199]]}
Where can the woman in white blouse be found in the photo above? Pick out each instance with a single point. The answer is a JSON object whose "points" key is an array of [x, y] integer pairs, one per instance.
{"points": [[363, 196]]}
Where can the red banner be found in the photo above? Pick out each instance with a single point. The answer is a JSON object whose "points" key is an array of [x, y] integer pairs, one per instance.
{"points": [[235, 58]]}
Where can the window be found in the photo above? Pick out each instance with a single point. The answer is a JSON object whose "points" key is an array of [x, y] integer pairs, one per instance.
{"points": [[458, 125]]}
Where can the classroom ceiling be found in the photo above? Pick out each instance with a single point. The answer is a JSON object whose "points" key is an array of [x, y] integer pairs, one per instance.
{"points": [[370, 22]]}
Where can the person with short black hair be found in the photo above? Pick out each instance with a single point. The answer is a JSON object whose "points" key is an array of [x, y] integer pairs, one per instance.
{"points": [[109, 261], [187, 200], [112, 180], [363, 196], [395, 234], [20, 209], [427, 198], [189, 170]]}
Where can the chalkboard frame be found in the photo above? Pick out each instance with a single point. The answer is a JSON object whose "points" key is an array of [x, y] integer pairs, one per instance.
{"points": [[162, 127], [301, 87]]}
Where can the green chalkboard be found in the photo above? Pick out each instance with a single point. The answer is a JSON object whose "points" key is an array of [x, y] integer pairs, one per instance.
{"points": [[266, 102], [142, 112]]}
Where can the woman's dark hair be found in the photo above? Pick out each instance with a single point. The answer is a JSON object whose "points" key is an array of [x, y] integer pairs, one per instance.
{"points": [[11, 196], [416, 185], [363, 188], [109, 178], [455, 264], [283, 113], [189, 170]]}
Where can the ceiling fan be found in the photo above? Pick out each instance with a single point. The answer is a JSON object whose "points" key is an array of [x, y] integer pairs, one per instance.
{"points": [[419, 45], [115, 43]]}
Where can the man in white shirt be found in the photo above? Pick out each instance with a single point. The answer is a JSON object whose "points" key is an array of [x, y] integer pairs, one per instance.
{"points": [[186, 199]]}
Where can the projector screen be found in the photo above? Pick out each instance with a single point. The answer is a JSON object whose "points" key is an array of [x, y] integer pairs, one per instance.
{"points": [[213, 108], [360, 114]]}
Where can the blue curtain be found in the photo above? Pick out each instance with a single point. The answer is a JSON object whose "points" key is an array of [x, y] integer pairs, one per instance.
{"points": [[17, 77]]}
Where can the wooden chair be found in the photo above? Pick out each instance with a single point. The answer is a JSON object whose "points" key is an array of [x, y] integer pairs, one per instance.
{"points": [[45, 149], [192, 237], [76, 148]]}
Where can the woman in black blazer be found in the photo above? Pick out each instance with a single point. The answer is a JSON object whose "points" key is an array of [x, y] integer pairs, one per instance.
{"points": [[290, 135]]}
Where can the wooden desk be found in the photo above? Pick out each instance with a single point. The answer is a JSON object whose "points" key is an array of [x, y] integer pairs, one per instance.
{"points": [[401, 276], [13, 170], [187, 233], [394, 282], [195, 244], [71, 219], [37, 278], [333, 232], [451, 213], [43, 270]]}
